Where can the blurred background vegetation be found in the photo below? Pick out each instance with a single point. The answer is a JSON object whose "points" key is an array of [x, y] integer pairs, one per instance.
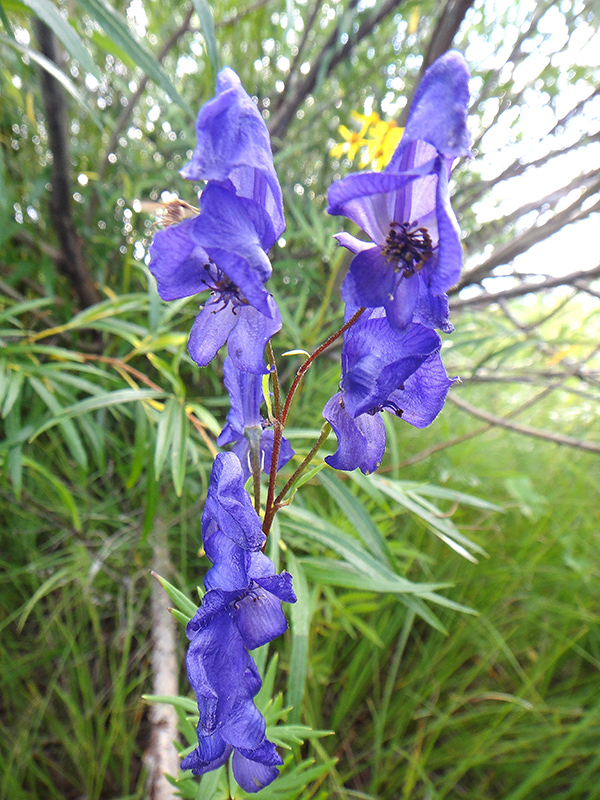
{"points": [[108, 428]]}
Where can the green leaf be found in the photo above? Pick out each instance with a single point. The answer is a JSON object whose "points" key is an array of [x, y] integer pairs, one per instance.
{"points": [[357, 514], [300, 624], [50, 14], [186, 703], [60, 489], [179, 448], [181, 600], [69, 431], [164, 434], [116, 27], [60, 76], [208, 31], [105, 400]]}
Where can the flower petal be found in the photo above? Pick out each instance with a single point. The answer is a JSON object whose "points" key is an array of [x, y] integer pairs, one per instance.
{"points": [[211, 330], [370, 281], [199, 766], [177, 262], [260, 618], [233, 143], [255, 769], [236, 233], [246, 344], [228, 506], [361, 441], [438, 113], [377, 359], [424, 393]]}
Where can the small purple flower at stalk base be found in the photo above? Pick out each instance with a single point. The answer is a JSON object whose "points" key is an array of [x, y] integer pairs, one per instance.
{"points": [[415, 253], [224, 249], [240, 611], [383, 370], [245, 423]]}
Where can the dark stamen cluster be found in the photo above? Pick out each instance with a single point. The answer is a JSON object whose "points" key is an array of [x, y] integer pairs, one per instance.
{"points": [[220, 284], [389, 405], [408, 248]]}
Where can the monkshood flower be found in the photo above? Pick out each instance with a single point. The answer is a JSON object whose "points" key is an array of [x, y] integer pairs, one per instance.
{"points": [[245, 423], [383, 370], [415, 253], [240, 611], [224, 249]]}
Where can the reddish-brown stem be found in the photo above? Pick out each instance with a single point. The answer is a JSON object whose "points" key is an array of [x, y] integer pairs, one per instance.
{"points": [[324, 434], [279, 422], [308, 363]]}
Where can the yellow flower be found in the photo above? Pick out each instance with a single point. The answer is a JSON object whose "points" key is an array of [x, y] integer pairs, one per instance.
{"points": [[376, 139], [353, 140]]}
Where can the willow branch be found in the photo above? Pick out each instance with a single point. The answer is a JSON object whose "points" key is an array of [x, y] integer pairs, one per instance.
{"points": [[72, 262], [526, 430]]}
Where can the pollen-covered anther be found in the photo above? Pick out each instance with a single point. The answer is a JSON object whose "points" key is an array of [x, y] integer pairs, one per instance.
{"points": [[407, 247]]}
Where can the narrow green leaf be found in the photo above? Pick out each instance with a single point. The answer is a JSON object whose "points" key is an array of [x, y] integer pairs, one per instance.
{"points": [[208, 31], [69, 431], [13, 390], [6, 23], [179, 448], [181, 600], [60, 76], [357, 515], [138, 457], [105, 400], [300, 624], [60, 489], [164, 434], [50, 14], [186, 703], [116, 27]]}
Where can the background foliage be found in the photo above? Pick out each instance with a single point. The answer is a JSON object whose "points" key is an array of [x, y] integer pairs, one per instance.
{"points": [[108, 428]]}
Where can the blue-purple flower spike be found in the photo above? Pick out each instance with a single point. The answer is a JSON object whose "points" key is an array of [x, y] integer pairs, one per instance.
{"points": [[224, 249], [240, 611]]}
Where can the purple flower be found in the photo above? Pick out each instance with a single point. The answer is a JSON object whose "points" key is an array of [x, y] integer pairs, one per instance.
{"points": [[415, 253], [224, 249], [245, 423], [240, 611], [383, 370]]}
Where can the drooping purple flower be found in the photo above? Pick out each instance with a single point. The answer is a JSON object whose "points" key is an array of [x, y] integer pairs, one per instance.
{"points": [[224, 249], [233, 143], [245, 423], [383, 370], [415, 253], [240, 611]]}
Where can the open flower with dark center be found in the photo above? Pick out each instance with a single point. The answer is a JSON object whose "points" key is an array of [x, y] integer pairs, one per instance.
{"points": [[245, 425], [240, 611], [415, 253], [224, 248], [383, 370]]}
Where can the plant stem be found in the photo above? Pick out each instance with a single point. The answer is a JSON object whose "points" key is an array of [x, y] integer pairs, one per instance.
{"points": [[308, 363], [325, 431], [279, 420]]}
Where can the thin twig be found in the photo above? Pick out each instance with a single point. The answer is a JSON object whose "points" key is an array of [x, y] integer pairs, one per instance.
{"points": [[526, 430]]}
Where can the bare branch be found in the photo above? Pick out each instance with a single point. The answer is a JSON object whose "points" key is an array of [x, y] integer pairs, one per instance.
{"points": [[161, 758], [526, 430], [524, 241], [525, 288], [444, 32], [72, 262], [330, 55]]}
